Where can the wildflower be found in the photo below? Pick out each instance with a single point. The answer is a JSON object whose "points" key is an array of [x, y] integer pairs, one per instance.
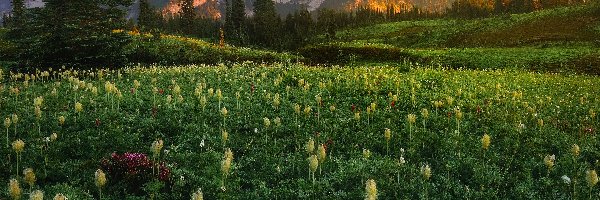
{"points": [[277, 121], [592, 177], [38, 101], [438, 104], [226, 164], [18, 146], [566, 179], [38, 112], [14, 189], [7, 122], [176, 90], [387, 134], [575, 150], [549, 161], [136, 84], [412, 118], [307, 110], [203, 102], [224, 112], [100, 178], [78, 107], [485, 141], [426, 172], [36, 195], [169, 98], [297, 108], [540, 122], [401, 160], [366, 153], [313, 163], [371, 190], [318, 99], [210, 92], [322, 153], [156, 147], [219, 94], [224, 136], [198, 195], [53, 137], [425, 113], [459, 114], [60, 196], [266, 122], [15, 118], [449, 100], [332, 108], [276, 101], [108, 87], [310, 146], [29, 176], [373, 107], [357, 116]]}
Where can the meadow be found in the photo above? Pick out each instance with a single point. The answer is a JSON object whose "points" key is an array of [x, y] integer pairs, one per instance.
{"points": [[290, 131], [563, 40]]}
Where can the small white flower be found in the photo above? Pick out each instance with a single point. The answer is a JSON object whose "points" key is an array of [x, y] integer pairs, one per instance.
{"points": [[566, 179], [47, 139], [255, 130], [202, 143], [402, 161]]}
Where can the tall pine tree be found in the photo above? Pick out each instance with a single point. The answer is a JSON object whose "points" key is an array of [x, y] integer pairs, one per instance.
{"points": [[187, 16], [18, 13], [149, 18], [266, 24], [235, 20]]}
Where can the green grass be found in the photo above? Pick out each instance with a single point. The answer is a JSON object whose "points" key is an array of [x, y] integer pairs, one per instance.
{"points": [[553, 40], [444, 32], [270, 162]]}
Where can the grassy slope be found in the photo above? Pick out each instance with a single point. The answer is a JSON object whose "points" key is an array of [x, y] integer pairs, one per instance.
{"points": [[554, 39], [270, 163]]}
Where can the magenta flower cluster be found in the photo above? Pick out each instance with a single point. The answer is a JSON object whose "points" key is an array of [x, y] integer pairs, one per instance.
{"points": [[134, 167]]}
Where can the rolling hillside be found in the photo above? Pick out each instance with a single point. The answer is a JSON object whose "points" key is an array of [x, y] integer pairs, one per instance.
{"points": [[562, 39]]}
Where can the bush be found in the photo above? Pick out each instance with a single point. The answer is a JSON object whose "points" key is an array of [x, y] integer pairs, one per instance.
{"points": [[134, 170]]}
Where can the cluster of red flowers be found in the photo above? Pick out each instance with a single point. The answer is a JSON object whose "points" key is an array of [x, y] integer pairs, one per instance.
{"points": [[134, 167]]}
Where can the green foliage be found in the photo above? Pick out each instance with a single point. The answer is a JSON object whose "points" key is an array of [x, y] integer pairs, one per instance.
{"points": [[69, 191]]}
